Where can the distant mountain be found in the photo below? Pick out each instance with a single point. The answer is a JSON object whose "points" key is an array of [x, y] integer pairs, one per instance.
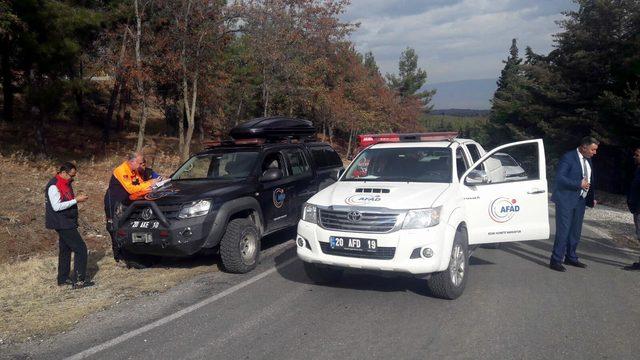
{"points": [[461, 112], [464, 94]]}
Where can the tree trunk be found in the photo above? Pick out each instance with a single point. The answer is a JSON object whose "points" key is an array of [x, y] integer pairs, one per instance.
{"points": [[265, 93], [79, 95], [190, 110], [200, 123], [142, 124], [350, 141], [239, 112], [181, 117], [142, 92], [330, 135], [106, 131], [7, 81], [122, 106]]}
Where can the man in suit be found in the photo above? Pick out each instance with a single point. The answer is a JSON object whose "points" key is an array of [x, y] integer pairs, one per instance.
{"points": [[572, 191]]}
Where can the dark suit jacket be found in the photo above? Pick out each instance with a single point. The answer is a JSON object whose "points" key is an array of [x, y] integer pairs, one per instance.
{"points": [[566, 188]]}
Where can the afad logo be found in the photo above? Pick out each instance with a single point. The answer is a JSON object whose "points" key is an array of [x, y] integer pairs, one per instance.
{"points": [[157, 194], [503, 209], [362, 199], [278, 197]]}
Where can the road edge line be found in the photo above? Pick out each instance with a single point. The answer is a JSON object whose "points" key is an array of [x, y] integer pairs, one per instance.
{"points": [[133, 333]]}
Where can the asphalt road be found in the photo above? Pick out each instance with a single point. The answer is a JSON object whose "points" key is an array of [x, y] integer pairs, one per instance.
{"points": [[514, 307]]}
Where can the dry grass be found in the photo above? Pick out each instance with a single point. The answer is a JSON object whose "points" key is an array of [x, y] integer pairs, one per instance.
{"points": [[32, 305]]}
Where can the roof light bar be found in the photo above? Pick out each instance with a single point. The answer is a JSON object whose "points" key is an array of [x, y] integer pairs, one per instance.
{"points": [[370, 139]]}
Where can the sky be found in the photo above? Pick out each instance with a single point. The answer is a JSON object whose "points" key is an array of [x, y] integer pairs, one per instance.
{"points": [[454, 39]]}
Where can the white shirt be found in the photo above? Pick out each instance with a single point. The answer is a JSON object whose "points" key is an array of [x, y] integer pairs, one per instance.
{"points": [[582, 164], [56, 199], [586, 171]]}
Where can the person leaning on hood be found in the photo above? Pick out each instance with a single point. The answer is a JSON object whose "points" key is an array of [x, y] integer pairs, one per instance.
{"points": [[126, 179]]}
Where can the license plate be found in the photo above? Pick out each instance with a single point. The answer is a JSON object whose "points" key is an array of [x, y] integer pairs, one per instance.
{"points": [[146, 238], [353, 244], [145, 224]]}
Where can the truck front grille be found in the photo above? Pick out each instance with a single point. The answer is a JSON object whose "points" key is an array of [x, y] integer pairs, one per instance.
{"points": [[169, 211], [382, 253], [367, 222]]}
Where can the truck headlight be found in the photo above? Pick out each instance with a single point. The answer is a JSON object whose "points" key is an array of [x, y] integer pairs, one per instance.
{"points": [[310, 213], [422, 218], [196, 208]]}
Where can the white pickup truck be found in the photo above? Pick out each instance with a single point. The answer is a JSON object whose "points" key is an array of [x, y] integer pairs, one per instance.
{"points": [[417, 204]]}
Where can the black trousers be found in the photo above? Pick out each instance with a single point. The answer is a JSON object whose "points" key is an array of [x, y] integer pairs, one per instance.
{"points": [[71, 241], [115, 246]]}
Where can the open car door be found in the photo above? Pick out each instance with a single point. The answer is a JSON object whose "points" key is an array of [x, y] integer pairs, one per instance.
{"points": [[507, 199]]}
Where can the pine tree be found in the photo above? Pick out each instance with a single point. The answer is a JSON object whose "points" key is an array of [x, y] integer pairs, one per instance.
{"points": [[370, 64], [410, 79]]}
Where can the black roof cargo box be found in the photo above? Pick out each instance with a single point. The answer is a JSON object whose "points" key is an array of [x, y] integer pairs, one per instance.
{"points": [[275, 127]]}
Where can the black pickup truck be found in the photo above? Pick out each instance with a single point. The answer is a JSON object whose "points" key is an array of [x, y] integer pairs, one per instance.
{"points": [[229, 196]]}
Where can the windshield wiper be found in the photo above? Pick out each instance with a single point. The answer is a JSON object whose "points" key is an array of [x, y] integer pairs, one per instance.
{"points": [[398, 178]]}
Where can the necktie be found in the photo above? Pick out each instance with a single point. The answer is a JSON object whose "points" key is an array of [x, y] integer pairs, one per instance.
{"points": [[585, 176]]}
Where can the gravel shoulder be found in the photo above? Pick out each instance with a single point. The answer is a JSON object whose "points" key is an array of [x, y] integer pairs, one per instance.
{"points": [[611, 216]]}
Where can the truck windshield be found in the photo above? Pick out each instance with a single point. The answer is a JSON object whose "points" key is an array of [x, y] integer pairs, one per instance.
{"points": [[218, 166], [416, 164]]}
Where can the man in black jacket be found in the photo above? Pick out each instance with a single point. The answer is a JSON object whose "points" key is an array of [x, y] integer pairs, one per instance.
{"points": [[633, 201], [61, 215]]}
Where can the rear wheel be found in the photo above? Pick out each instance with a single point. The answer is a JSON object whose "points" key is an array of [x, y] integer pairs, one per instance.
{"points": [[450, 284], [322, 274], [240, 246]]}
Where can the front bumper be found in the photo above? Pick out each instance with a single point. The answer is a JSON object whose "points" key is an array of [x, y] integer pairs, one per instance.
{"points": [[172, 237], [403, 242]]}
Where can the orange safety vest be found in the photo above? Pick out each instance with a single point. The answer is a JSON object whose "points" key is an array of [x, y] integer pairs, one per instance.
{"points": [[130, 180]]}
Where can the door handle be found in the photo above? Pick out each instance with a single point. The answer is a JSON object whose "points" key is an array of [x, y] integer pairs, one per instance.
{"points": [[536, 191]]}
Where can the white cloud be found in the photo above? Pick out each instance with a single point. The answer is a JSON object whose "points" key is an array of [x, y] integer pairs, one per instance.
{"points": [[455, 40]]}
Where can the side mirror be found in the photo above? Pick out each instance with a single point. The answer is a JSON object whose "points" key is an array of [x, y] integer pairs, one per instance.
{"points": [[271, 175], [336, 175], [476, 177]]}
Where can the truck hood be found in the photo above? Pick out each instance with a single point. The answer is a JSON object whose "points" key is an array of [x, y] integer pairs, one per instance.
{"points": [[390, 195], [191, 190]]}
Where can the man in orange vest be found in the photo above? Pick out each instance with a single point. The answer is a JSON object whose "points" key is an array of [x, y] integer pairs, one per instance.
{"points": [[125, 180]]}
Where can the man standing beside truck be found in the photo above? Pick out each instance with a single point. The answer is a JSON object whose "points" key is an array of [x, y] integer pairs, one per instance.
{"points": [[125, 180]]}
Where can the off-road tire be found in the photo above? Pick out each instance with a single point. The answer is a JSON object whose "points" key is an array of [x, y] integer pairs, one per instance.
{"points": [[137, 261], [321, 274], [240, 246], [450, 284]]}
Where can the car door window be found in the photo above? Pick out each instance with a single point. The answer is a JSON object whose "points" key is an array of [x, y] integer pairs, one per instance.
{"points": [[511, 164], [333, 159], [298, 164], [274, 160], [461, 162], [474, 151]]}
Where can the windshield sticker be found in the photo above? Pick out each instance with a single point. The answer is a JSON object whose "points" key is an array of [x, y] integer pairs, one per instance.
{"points": [[278, 197], [503, 209], [363, 199]]}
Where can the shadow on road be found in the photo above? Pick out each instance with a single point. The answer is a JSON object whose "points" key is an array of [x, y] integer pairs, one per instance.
{"points": [[205, 257], [365, 280], [589, 249]]}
